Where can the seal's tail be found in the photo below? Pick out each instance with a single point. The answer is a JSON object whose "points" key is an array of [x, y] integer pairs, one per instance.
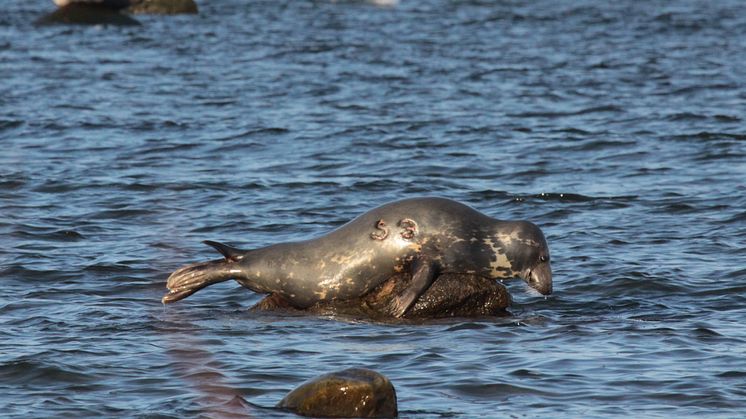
{"points": [[192, 278]]}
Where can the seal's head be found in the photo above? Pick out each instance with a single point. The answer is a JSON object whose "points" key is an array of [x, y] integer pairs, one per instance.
{"points": [[528, 253]]}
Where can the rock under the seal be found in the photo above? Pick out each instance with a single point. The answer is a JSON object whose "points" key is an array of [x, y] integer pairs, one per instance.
{"points": [[450, 295], [351, 393]]}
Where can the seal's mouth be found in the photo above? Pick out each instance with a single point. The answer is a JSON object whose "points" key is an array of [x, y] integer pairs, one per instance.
{"points": [[539, 278]]}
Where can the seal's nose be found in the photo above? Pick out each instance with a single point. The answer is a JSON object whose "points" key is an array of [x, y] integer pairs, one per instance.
{"points": [[541, 278]]}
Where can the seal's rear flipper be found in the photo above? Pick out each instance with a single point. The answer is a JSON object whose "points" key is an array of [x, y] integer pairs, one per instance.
{"points": [[423, 276], [192, 278]]}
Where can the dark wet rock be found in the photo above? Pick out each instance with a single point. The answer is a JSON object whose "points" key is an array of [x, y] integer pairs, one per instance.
{"points": [[166, 7], [109, 4], [272, 302], [451, 295], [112, 12], [351, 393], [87, 14]]}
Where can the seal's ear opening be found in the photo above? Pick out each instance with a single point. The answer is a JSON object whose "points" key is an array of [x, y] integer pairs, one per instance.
{"points": [[231, 254]]}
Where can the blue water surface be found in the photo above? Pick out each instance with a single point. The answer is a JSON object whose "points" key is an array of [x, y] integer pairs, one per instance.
{"points": [[618, 127]]}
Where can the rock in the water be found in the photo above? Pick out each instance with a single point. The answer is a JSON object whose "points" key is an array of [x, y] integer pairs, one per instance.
{"points": [[351, 393], [87, 14], [451, 295], [166, 7], [109, 4]]}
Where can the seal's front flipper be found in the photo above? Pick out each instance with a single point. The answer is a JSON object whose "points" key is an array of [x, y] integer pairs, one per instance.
{"points": [[424, 272]]}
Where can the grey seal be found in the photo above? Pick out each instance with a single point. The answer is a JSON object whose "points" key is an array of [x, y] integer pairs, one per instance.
{"points": [[425, 237]]}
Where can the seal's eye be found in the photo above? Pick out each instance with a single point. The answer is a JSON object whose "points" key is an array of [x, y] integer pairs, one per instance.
{"points": [[543, 258]]}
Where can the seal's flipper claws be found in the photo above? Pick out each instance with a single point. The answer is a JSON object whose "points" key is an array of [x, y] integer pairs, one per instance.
{"points": [[422, 277], [401, 304], [192, 278]]}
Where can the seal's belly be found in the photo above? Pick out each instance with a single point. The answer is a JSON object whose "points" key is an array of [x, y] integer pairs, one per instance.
{"points": [[324, 276], [353, 277]]}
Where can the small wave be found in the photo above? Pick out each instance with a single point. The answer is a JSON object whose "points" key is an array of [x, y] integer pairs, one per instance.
{"points": [[737, 274], [574, 197], [602, 145], [119, 214], [376, 185], [63, 186], [156, 125], [262, 131], [21, 273], [58, 235], [26, 371], [725, 289], [694, 89], [575, 131], [305, 185], [677, 208], [483, 74], [736, 219], [727, 118], [209, 186], [468, 326], [166, 148], [686, 116], [138, 187], [723, 155], [522, 372], [642, 283], [648, 171], [217, 102], [109, 268], [585, 111], [706, 136], [563, 197], [732, 374], [74, 107], [705, 332], [491, 390], [489, 195], [11, 184], [7, 124]]}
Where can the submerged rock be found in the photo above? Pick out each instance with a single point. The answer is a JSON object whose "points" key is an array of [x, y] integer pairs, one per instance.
{"points": [[166, 7], [451, 295], [112, 12], [351, 393], [91, 13], [109, 4]]}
